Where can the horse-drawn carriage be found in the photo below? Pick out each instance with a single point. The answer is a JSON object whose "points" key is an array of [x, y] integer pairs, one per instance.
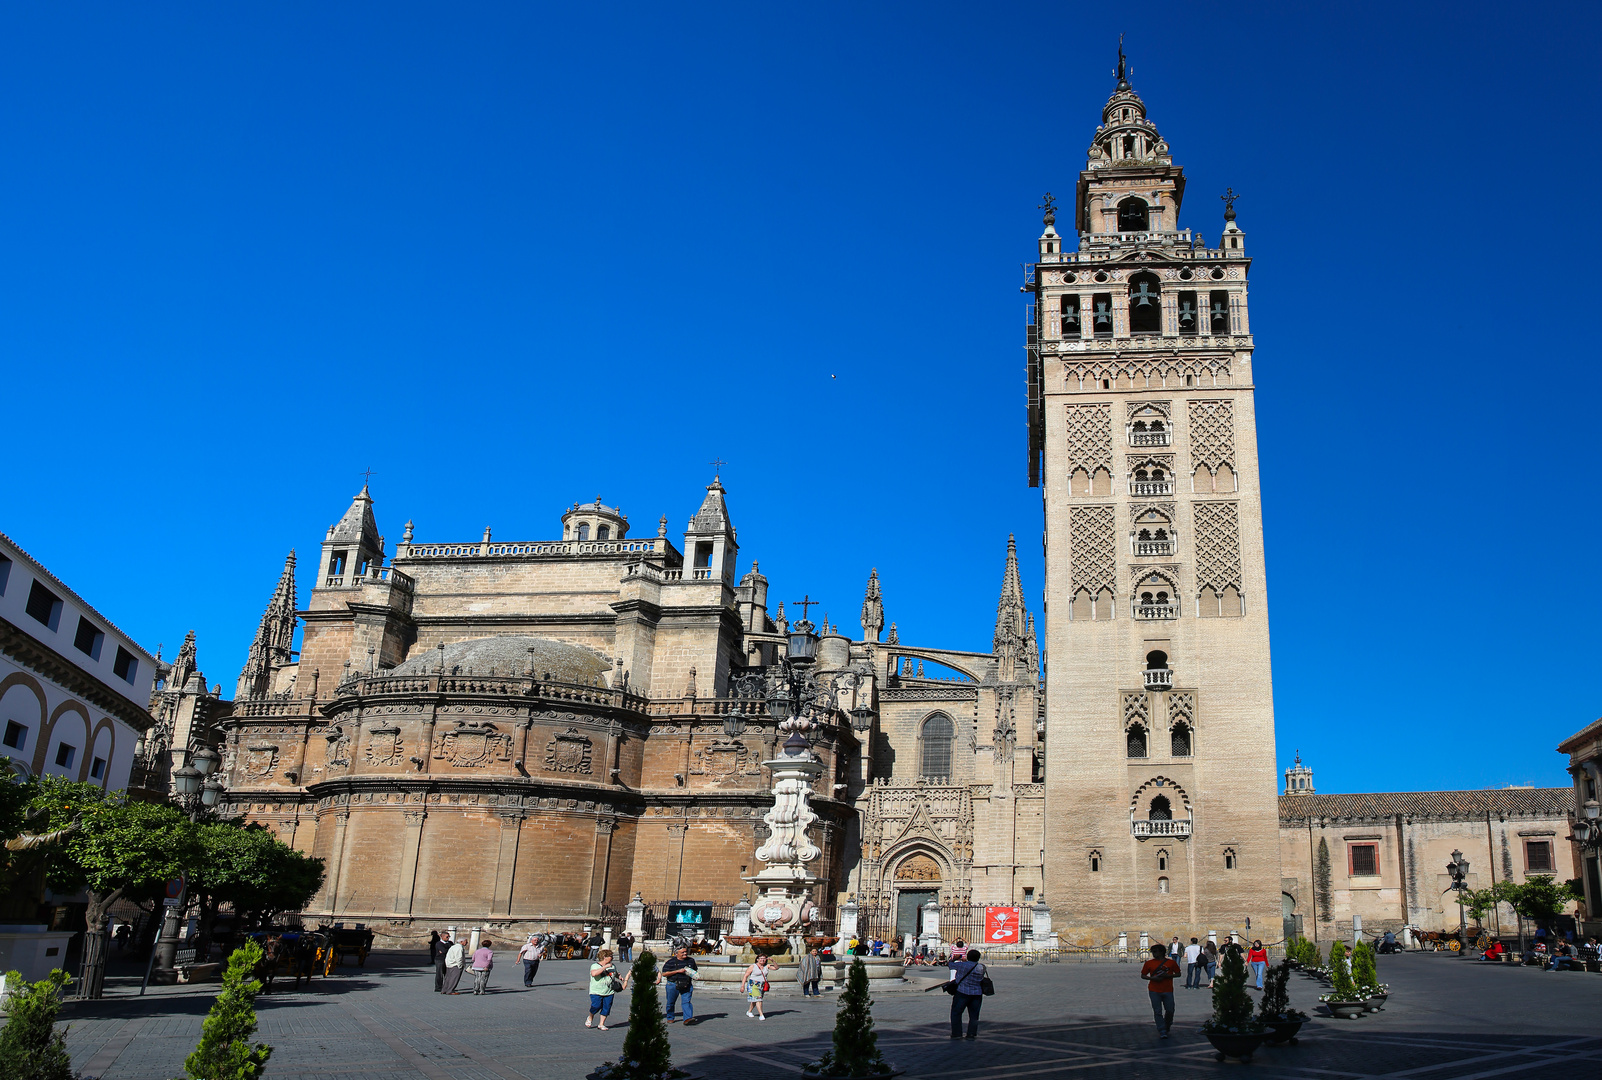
{"points": [[1448, 940], [346, 941]]}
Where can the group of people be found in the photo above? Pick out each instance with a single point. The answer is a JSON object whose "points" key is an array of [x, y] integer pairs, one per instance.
{"points": [[451, 957], [1201, 960]]}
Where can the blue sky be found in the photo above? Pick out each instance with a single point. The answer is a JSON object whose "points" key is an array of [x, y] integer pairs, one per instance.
{"points": [[512, 256]]}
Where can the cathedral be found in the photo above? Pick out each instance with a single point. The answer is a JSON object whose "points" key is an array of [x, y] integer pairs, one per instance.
{"points": [[533, 732]]}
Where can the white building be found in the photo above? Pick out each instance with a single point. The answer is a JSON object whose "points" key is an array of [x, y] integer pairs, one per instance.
{"points": [[74, 690]]}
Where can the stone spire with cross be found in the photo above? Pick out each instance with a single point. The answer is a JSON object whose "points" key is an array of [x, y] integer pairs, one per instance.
{"points": [[275, 638], [1013, 630]]}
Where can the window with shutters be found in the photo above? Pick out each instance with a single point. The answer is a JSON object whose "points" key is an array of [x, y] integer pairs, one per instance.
{"points": [[1538, 857]]}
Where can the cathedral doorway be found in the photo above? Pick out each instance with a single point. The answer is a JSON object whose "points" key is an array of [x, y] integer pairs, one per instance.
{"points": [[909, 910]]}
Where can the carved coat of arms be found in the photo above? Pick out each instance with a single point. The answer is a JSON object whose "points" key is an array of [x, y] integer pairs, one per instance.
{"points": [[260, 760], [384, 746], [569, 752], [338, 749], [473, 746], [726, 762]]}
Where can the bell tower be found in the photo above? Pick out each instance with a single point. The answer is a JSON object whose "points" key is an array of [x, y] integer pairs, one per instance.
{"points": [[1160, 777]]}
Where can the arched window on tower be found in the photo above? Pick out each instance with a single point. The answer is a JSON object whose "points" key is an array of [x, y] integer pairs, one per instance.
{"points": [[937, 735], [1179, 741], [584, 532], [1161, 809], [1132, 211], [604, 532], [1145, 298], [1137, 741]]}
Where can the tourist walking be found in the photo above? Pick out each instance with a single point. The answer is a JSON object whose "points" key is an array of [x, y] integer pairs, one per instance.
{"points": [[532, 952], [437, 954], [433, 945], [1210, 961], [453, 966], [1258, 959], [595, 942], [483, 961], [679, 975], [1175, 949], [1193, 965], [755, 984], [808, 972], [968, 974], [1158, 974], [625, 947], [604, 985]]}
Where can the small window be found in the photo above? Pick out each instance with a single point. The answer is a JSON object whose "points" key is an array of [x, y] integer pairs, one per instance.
{"points": [[44, 606], [1070, 315], [1101, 314], [1218, 312], [584, 532], [1229, 859], [1538, 857], [1162, 860], [64, 755], [89, 638], [1029, 895], [604, 532], [336, 563], [1162, 885], [97, 769], [5, 573], [16, 735], [126, 667], [1365, 860], [1095, 862], [1187, 313], [1137, 742], [1179, 741]]}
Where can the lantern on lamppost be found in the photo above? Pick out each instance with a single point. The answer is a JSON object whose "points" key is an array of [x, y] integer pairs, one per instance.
{"points": [[1458, 870]]}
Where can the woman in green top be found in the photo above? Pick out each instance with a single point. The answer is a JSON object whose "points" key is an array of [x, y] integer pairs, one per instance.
{"points": [[601, 989]]}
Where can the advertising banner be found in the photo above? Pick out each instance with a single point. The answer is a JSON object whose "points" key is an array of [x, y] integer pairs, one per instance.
{"points": [[1001, 926]]}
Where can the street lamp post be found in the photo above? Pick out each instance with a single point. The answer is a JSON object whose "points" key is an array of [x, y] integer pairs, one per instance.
{"points": [[1458, 869], [198, 792]]}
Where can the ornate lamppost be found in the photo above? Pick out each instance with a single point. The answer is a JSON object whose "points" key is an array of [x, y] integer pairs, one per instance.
{"points": [[198, 791], [801, 702], [1458, 869]]}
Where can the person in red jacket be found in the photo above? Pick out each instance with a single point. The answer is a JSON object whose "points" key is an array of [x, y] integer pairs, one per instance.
{"points": [[1158, 974], [1257, 957]]}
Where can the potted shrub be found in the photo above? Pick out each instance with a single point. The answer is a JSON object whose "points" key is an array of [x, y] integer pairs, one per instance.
{"points": [[1275, 1013], [1232, 1030], [856, 1045], [1344, 1002], [1367, 979]]}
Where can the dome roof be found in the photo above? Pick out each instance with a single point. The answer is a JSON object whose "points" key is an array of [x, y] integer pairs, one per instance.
{"points": [[512, 654]]}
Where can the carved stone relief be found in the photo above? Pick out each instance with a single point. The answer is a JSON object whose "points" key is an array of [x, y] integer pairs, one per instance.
{"points": [[569, 752]]}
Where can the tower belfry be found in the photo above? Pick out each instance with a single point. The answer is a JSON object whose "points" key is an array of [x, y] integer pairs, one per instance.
{"points": [[1142, 434]]}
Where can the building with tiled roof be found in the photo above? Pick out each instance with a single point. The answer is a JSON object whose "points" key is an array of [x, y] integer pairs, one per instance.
{"points": [[1584, 748], [1381, 857]]}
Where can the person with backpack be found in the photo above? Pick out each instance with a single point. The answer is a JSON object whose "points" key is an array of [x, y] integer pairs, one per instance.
{"points": [[968, 978], [1158, 974]]}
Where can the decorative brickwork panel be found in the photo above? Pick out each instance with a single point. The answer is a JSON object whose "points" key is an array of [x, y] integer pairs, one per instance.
{"points": [[1212, 433], [1091, 548], [1217, 536], [1134, 707], [1181, 708], [1089, 436]]}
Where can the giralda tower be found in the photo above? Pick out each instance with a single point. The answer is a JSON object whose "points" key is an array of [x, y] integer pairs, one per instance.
{"points": [[1160, 779]]}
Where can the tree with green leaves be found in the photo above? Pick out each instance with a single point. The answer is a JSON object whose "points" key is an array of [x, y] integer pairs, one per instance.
{"points": [[251, 870], [1232, 1005], [856, 1044], [110, 847], [30, 1046], [225, 1052]]}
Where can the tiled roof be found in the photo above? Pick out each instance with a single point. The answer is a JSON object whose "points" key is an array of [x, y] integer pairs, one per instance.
{"points": [[1498, 802], [1569, 744]]}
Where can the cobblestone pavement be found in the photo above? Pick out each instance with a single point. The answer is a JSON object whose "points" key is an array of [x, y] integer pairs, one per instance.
{"points": [[1447, 1019]]}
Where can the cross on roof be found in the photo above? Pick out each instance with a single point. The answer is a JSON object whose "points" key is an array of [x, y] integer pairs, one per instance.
{"points": [[366, 476], [804, 603], [717, 464]]}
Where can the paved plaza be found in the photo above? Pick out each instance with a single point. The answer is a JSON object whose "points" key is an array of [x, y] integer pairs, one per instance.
{"points": [[1448, 1019]]}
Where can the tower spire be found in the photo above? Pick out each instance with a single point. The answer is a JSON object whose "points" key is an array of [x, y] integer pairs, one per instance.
{"points": [[872, 608], [1011, 641], [275, 637]]}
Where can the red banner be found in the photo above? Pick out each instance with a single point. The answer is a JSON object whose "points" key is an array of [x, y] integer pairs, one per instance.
{"points": [[1001, 926]]}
